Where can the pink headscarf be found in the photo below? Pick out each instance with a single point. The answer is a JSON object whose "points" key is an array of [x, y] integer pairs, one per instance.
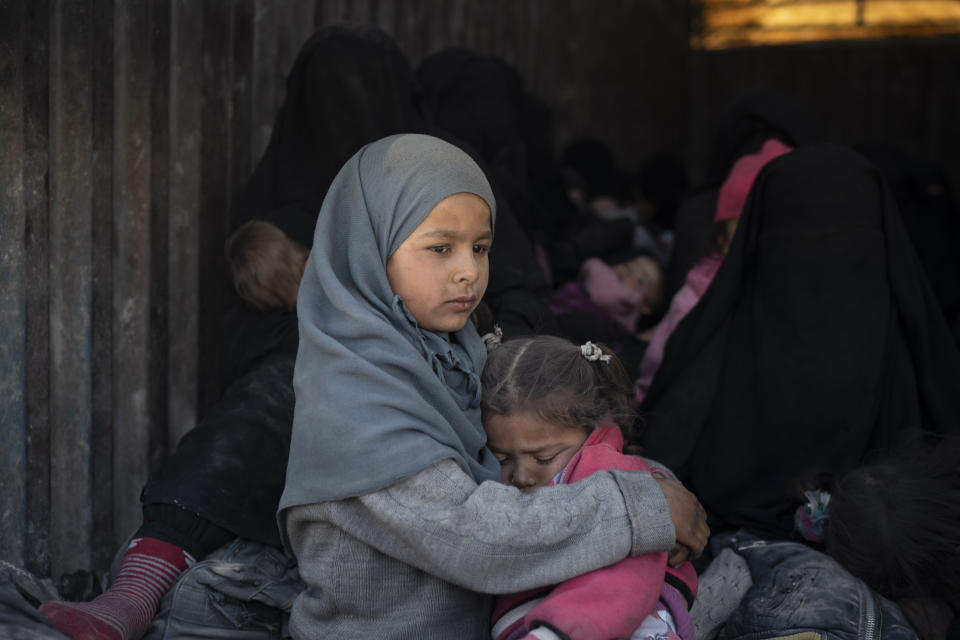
{"points": [[733, 192]]}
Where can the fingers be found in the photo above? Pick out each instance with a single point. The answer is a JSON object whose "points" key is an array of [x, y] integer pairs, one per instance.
{"points": [[678, 555], [699, 534], [690, 521]]}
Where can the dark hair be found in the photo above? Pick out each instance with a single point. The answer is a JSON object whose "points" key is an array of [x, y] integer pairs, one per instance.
{"points": [[266, 266], [895, 522], [550, 377]]}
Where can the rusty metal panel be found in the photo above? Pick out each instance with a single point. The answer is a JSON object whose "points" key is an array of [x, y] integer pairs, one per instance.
{"points": [[131, 261], [13, 317], [71, 248], [102, 538], [186, 97], [297, 22], [158, 16], [265, 83], [241, 72], [149, 116], [36, 275]]}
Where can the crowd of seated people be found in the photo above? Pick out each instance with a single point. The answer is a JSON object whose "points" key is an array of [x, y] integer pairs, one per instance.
{"points": [[771, 324]]}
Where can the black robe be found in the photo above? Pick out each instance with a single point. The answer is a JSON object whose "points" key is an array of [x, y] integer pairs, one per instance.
{"points": [[349, 85], [481, 100], [231, 467], [818, 341]]}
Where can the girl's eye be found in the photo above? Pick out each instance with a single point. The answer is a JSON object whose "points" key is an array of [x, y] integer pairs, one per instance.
{"points": [[481, 249], [441, 248], [546, 461]]}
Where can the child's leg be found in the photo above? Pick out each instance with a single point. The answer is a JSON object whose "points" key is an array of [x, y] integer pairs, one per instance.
{"points": [[149, 568], [164, 547]]}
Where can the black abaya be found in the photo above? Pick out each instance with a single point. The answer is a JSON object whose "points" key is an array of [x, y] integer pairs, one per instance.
{"points": [[818, 341]]}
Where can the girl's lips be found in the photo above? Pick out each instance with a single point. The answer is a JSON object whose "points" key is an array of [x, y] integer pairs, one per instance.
{"points": [[462, 304]]}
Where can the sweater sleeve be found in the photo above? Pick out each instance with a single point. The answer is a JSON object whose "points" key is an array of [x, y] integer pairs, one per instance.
{"points": [[491, 538]]}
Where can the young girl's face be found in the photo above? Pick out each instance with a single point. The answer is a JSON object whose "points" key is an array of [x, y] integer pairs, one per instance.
{"points": [[645, 275], [441, 270], [531, 450]]}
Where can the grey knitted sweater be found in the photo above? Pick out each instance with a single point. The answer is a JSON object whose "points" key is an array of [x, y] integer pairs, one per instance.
{"points": [[415, 560]]}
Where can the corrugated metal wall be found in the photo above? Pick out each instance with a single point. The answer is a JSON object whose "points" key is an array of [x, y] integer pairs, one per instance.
{"points": [[126, 129], [128, 126]]}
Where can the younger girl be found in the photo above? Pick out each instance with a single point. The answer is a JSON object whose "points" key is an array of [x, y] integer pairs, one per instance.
{"points": [[386, 508], [550, 410]]}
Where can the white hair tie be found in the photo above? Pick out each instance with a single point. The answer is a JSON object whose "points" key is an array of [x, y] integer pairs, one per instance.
{"points": [[593, 353]]}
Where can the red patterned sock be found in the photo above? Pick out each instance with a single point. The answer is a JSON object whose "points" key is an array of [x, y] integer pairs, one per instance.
{"points": [[124, 611]]}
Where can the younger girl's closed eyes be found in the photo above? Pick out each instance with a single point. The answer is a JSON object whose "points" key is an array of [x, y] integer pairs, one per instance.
{"points": [[550, 409]]}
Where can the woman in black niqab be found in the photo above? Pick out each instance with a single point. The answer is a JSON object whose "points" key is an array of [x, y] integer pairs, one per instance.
{"points": [[743, 126], [480, 99], [818, 341], [350, 85]]}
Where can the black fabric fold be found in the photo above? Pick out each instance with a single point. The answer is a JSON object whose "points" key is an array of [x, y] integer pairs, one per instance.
{"points": [[230, 468]]}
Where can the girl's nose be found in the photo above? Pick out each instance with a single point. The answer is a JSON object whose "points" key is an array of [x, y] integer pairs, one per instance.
{"points": [[467, 269], [522, 479]]}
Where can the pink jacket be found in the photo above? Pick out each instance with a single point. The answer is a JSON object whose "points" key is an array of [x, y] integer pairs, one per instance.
{"points": [[696, 283], [606, 603]]}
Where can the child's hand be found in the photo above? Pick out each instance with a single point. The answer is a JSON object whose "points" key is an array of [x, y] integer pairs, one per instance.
{"points": [[689, 522], [678, 555]]}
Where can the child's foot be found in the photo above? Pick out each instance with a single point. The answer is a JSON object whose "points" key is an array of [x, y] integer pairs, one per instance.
{"points": [[124, 612], [74, 621]]}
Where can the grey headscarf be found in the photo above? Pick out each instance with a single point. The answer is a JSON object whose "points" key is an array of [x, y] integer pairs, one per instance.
{"points": [[378, 398]]}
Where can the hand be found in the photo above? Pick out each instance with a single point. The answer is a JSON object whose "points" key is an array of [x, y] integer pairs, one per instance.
{"points": [[689, 522], [678, 555]]}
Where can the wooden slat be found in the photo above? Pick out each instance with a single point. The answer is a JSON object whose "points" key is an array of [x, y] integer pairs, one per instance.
{"points": [[13, 317], [37, 276], [186, 99], [781, 16], [71, 158], [131, 272], [913, 12]]}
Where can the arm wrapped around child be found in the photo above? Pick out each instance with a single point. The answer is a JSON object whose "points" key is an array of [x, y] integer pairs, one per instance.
{"points": [[613, 602], [549, 413]]}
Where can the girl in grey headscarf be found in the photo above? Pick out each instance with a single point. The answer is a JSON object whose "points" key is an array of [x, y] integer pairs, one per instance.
{"points": [[388, 505]]}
